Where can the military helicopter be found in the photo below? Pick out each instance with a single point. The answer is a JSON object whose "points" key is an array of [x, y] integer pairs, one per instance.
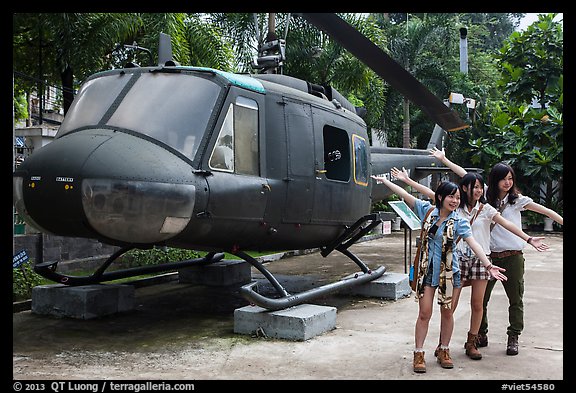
{"points": [[201, 159]]}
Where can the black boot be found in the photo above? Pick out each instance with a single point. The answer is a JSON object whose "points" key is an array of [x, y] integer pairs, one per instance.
{"points": [[512, 348], [482, 340]]}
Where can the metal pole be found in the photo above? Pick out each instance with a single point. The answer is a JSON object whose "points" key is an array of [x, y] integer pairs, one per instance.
{"points": [[405, 246], [463, 50]]}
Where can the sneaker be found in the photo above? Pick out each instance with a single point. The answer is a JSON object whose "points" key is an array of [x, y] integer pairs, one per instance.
{"points": [[482, 340], [444, 358], [512, 347], [419, 362]]}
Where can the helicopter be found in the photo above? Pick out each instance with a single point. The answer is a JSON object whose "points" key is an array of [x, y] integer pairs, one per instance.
{"points": [[197, 158]]}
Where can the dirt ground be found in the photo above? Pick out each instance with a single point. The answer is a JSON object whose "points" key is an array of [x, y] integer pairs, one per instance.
{"points": [[185, 332]]}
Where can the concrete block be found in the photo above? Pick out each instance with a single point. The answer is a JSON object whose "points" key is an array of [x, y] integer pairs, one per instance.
{"points": [[390, 286], [82, 302], [221, 273], [298, 323]]}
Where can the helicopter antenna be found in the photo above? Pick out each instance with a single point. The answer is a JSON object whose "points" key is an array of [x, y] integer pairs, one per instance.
{"points": [[165, 51], [271, 53]]}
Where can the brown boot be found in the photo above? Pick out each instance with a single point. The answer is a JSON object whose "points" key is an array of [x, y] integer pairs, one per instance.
{"points": [[444, 358], [419, 362], [471, 347]]}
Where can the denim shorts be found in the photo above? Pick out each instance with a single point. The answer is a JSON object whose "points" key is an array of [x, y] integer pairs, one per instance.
{"points": [[456, 283]]}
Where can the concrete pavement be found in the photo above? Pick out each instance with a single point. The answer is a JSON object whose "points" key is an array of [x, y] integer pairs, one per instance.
{"points": [[170, 336]]}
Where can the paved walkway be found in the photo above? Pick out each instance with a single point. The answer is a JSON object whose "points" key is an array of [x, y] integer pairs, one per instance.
{"points": [[170, 337]]}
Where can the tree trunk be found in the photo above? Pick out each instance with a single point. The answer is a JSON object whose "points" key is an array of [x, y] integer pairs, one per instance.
{"points": [[67, 77]]}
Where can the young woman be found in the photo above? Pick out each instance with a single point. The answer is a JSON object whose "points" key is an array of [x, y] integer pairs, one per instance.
{"points": [[505, 249], [438, 267], [473, 207]]}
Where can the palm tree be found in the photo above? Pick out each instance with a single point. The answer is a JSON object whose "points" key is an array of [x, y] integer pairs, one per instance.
{"points": [[410, 44], [72, 46]]}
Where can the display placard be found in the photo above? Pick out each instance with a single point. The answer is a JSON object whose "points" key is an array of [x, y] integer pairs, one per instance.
{"points": [[406, 214]]}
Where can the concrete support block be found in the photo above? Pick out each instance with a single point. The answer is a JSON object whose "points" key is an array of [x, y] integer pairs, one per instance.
{"points": [[82, 302], [390, 286], [222, 273], [298, 323]]}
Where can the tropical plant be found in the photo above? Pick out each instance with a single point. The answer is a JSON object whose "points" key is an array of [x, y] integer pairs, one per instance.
{"points": [[526, 129]]}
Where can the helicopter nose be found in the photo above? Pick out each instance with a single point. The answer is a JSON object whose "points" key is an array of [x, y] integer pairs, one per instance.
{"points": [[111, 185]]}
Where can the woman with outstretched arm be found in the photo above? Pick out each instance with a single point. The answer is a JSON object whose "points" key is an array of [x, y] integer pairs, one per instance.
{"points": [[438, 266], [473, 207], [505, 249]]}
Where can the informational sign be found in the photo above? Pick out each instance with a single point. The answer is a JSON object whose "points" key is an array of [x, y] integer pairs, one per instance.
{"points": [[386, 227], [19, 259], [406, 214]]}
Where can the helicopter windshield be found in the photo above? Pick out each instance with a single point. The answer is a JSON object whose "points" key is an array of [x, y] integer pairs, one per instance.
{"points": [[171, 107]]}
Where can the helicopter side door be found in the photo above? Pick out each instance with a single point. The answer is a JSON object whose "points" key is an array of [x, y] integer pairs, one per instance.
{"points": [[342, 194], [300, 161]]}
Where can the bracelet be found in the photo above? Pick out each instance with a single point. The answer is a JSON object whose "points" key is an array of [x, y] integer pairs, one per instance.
{"points": [[490, 266], [528, 240]]}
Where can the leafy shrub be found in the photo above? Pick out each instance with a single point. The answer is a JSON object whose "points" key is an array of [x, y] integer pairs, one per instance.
{"points": [[156, 256], [23, 280]]}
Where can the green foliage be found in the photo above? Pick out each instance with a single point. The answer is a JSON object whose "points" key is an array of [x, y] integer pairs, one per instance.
{"points": [[383, 206], [23, 280], [20, 106], [528, 137], [532, 62], [155, 256]]}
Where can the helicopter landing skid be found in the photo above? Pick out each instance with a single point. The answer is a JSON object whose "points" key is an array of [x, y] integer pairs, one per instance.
{"points": [[48, 269], [287, 300]]}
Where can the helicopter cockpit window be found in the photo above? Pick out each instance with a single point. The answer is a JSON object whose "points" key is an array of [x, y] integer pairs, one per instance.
{"points": [[93, 101], [236, 149], [180, 114], [336, 154], [172, 108], [360, 160]]}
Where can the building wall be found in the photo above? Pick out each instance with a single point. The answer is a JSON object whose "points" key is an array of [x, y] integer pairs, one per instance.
{"points": [[47, 248]]}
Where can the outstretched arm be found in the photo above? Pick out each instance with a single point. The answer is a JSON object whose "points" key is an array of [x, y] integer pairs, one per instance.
{"points": [[396, 189], [403, 175], [440, 155], [494, 271], [538, 208], [536, 242]]}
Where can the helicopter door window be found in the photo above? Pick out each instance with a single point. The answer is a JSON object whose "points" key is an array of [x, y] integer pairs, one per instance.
{"points": [[360, 160], [222, 157], [237, 146], [336, 154], [246, 136]]}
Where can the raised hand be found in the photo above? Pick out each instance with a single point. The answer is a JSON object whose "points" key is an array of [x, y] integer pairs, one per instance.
{"points": [[438, 154], [400, 174]]}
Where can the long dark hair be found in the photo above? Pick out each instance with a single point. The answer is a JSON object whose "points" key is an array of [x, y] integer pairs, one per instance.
{"points": [[444, 189], [497, 173], [469, 180]]}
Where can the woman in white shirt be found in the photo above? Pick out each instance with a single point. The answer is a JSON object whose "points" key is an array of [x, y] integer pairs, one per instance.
{"points": [[473, 207], [505, 249]]}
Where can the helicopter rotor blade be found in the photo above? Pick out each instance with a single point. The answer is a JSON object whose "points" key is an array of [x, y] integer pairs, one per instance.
{"points": [[387, 68]]}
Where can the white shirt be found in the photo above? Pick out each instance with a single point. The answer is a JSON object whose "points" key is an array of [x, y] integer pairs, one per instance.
{"points": [[501, 239], [480, 226]]}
